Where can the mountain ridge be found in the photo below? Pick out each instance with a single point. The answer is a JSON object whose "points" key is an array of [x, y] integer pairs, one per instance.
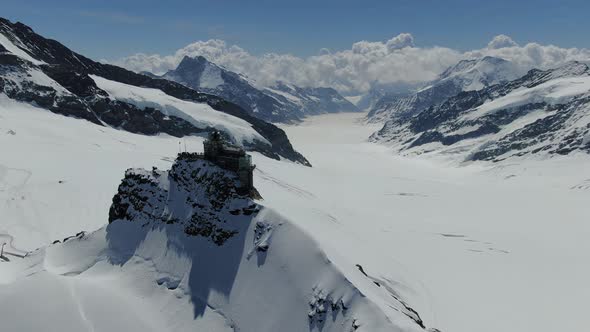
{"points": [[281, 102], [466, 75], [71, 70], [540, 112]]}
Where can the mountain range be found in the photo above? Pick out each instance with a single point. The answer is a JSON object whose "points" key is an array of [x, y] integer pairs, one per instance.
{"points": [[542, 112], [44, 72], [466, 75], [282, 102]]}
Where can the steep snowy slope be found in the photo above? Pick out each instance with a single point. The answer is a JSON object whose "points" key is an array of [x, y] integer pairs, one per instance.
{"points": [[199, 115], [184, 252], [280, 103], [543, 112], [58, 174], [467, 75], [44, 72]]}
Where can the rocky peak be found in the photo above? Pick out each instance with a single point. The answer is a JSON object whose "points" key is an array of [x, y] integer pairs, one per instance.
{"points": [[219, 249], [192, 65], [194, 194], [200, 74]]}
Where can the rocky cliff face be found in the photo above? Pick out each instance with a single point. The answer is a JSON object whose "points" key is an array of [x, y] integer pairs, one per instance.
{"points": [[541, 112], [43, 71], [280, 103], [194, 194]]}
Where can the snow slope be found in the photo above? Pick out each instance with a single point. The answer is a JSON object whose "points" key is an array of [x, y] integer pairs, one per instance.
{"points": [[10, 47], [45, 166], [184, 252], [64, 182], [127, 277], [486, 247], [553, 92], [200, 115]]}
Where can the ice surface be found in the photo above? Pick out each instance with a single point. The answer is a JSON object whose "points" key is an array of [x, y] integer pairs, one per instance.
{"points": [[211, 77], [199, 114], [556, 91]]}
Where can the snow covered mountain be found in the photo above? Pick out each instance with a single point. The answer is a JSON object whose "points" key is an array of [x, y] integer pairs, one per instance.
{"points": [[467, 75], [542, 112], [311, 101], [184, 251], [45, 73], [280, 103], [367, 101]]}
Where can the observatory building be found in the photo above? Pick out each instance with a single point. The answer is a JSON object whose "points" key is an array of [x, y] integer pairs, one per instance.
{"points": [[230, 157]]}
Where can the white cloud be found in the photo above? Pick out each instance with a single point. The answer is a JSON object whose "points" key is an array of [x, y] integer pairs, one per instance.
{"points": [[355, 70], [400, 41], [501, 41], [534, 55]]}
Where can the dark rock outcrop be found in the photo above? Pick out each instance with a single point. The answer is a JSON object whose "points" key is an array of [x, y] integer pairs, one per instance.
{"points": [[209, 197]]}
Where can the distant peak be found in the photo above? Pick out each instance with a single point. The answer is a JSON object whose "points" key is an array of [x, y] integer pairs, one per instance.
{"points": [[282, 85], [194, 65], [571, 68], [493, 59], [467, 65], [188, 60], [576, 65]]}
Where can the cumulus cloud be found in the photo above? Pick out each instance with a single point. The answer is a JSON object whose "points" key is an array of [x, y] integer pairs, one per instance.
{"points": [[501, 41], [400, 41], [354, 71], [533, 55]]}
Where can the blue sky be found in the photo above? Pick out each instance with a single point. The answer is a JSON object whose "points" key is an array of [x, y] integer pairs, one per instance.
{"points": [[112, 29]]}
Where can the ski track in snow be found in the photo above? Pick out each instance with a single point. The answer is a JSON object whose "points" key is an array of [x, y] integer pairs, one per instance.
{"points": [[81, 313], [584, 185], [301, 192]]}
